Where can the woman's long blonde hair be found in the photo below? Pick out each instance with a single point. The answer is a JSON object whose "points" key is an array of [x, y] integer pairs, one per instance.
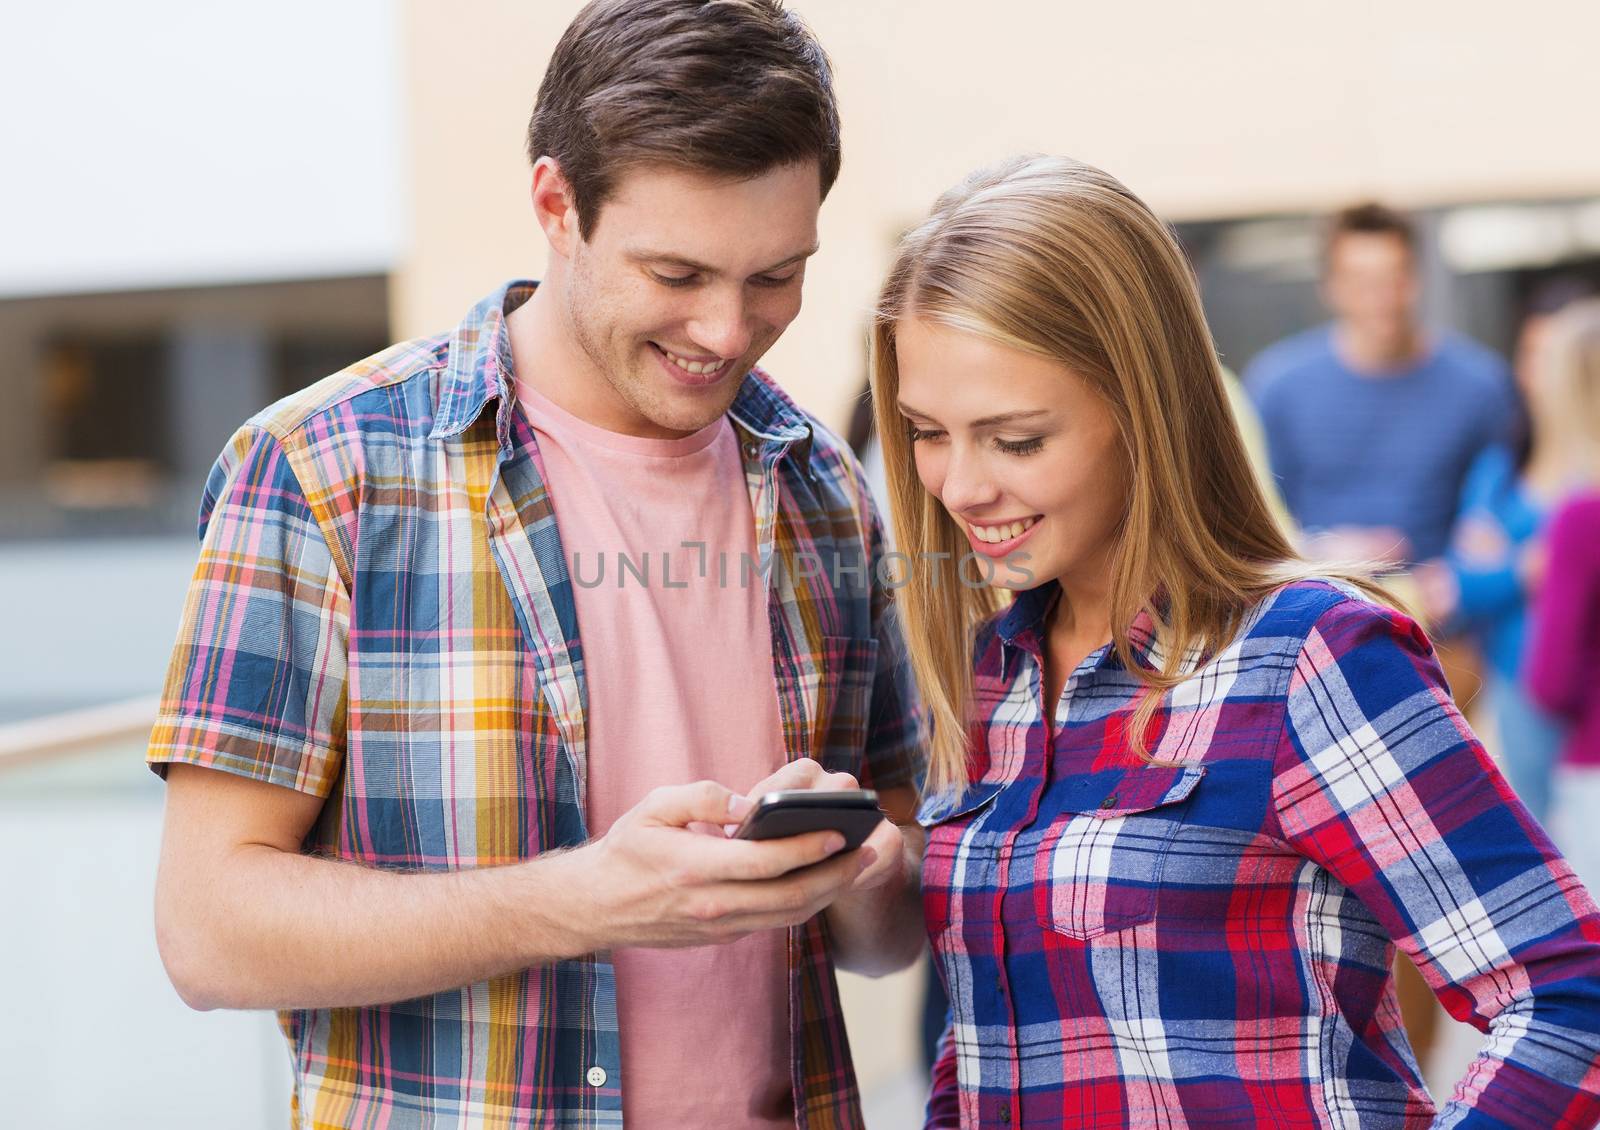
{"points": [[1055, 258], [1572, 355]]}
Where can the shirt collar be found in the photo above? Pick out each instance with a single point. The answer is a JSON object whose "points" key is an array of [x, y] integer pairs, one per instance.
{"points": [[1022, 625], [773, 421], [1027, 613], [479, 370]]}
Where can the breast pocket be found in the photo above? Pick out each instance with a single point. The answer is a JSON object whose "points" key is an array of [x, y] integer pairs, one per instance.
{"points": [[959, 870], [1099, 863]]}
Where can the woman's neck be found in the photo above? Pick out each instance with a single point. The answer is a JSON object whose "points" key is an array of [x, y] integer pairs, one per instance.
{"points": [[1552, 465], [1081, 619]]}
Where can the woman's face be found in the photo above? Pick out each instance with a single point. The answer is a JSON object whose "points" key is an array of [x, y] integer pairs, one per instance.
{"points": [[1025, 456], [1530, 364]]}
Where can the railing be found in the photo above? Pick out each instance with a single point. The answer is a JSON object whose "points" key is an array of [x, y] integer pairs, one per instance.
{"points": [[76, 731]]}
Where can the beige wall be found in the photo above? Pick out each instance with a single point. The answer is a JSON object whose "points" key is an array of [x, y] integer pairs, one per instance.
{"points": [[1207, 109]]}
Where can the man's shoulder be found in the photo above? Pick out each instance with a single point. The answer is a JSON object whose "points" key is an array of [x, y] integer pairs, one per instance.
{"points": [[1282, 363], [1466, 359], [389, 391], [831, 457], [764, 407]]}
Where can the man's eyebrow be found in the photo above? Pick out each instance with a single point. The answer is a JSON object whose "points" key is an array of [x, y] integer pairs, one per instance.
{"points": [[672, 258], [985, 422]]}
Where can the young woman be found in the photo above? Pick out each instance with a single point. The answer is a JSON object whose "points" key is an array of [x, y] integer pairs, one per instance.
{"points": [[1563, 663], [1185, 796]]}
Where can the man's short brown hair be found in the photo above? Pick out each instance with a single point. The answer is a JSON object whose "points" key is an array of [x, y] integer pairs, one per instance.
{"points": [[729, 87], [1370, 218]]}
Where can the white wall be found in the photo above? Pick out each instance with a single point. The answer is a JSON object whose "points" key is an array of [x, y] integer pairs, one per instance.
{"points": [[178, 142], [92, 1033]]}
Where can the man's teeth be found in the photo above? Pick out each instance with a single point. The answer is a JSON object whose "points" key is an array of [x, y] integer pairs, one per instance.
{"points": [[694, 366], [995, 534]]}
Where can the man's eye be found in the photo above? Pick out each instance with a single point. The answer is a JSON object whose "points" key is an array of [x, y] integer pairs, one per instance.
{"points": [[776, 280], [672, 280]]}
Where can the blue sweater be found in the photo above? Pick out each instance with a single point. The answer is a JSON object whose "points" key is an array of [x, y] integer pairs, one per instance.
{"points": [[1354, 449]]}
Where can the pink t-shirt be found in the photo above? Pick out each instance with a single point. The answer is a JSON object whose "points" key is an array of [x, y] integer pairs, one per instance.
{"points": [[681, 688]]}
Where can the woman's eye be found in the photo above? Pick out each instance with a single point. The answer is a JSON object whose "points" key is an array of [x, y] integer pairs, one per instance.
{"points": [[920, 434], [1021, 446]]}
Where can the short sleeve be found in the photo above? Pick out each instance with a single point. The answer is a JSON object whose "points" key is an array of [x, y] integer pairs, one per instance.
{"points": [[256, 684]]}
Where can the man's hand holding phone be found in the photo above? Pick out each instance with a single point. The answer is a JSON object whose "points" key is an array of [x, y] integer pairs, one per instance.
{"points": [[654, 879], [883, 852]]}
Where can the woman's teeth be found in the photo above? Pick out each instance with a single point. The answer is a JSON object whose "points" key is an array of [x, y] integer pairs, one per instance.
{"points": [[996, 534], [694, 366]]}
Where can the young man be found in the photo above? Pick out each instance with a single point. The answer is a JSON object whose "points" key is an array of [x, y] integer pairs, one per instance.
{"points": [[1372, 422], [473, 616]]}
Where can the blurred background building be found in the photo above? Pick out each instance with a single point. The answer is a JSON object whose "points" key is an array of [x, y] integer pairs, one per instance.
{"points": [[207, 206]]}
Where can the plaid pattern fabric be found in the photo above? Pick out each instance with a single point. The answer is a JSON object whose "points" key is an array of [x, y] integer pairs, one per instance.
{"points": [[1206, 939], [382, 616]]}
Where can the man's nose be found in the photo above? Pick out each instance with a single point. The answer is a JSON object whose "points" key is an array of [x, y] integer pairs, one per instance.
{"points": [[722, 324]]}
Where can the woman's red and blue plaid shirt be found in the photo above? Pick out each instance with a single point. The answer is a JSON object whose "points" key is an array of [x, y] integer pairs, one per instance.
{"points": [[383, 616], [1205, 939]]}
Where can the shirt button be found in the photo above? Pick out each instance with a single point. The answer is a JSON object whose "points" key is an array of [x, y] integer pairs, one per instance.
{"points": [[1109, 802], [1004, 1113], [596, 1077], [750, 451]]}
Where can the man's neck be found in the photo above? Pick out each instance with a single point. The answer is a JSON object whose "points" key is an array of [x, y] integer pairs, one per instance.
{"points": [[546, 359], [1378, 354]]}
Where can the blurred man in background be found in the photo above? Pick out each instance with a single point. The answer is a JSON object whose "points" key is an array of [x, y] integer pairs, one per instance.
{"points": [[1373, 421]]}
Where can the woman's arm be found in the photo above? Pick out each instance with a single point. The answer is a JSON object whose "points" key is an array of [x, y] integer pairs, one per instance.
{"points": [[1379, 781], [1481, 557]]}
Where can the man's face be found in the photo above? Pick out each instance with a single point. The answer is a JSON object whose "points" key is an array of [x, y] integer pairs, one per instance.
{"points": [[684, 282], [1371, 284]]}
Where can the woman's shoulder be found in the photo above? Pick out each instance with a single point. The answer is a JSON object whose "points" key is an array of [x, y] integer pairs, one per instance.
{"points": [[1582, 510], [1575, 527], [1325, 609]]}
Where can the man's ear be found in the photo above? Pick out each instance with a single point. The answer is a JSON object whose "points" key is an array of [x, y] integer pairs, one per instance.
{"points": [[555, 207]]}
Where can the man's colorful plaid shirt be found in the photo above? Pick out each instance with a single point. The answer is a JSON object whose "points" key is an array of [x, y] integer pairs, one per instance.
{"points": [[383, 616], [1206, 939]]}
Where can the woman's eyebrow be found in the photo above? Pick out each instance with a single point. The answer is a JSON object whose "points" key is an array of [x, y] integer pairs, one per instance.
{"points": [[1009, 418], [997, 420]]}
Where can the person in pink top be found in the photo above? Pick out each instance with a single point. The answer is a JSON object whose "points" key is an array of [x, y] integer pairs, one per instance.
{"points": [[496, 633], [1562, 666]]}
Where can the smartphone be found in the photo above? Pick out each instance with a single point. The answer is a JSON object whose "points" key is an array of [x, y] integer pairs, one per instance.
{"points": [[853, 813]]}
